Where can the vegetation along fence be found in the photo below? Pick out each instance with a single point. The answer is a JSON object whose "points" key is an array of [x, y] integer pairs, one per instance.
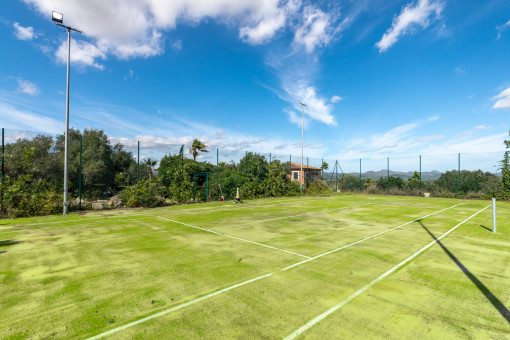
{"points": [[112, 172]]}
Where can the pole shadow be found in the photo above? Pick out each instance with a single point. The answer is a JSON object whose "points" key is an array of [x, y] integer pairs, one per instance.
{"points": [[500, 307], [485, 228]]}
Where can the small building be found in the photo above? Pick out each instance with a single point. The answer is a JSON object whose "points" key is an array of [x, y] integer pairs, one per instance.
{"points": [[310, 173]]}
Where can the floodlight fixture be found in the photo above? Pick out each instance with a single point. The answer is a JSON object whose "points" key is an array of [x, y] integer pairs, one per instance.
{"points": [[57, 17]]}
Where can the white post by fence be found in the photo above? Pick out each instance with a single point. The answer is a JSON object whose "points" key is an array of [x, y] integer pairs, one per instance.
{"points": [[494, 229]]}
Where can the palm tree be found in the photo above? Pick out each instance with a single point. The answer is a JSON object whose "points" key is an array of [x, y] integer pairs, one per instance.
{"points": [[197, 147], [151, 164]]}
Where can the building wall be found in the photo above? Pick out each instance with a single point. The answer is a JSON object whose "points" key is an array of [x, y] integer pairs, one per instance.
{"points": [[313, 175]]}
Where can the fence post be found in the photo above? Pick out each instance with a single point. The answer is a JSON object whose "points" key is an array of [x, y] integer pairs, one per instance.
{"points": [[290, 167], [494, 228], [307, 174], [420, 175], [269, 158], [388, 160], [3, 134], [138, 169], [360, 187], [458, 187], [79, 181], [218, 172], [336, 175]]}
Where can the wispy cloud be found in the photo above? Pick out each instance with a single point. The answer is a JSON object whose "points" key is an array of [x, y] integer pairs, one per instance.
{"points": [[24, 33], [82, 53], [412, 15], [502, 28], [483, 127], [15, 118], [27, 87], [336, 99], [433, 118], [316, 30], [459, 71], [503, 100]]}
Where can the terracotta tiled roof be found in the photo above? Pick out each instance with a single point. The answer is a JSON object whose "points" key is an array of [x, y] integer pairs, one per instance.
{"points": [[297, 166]]}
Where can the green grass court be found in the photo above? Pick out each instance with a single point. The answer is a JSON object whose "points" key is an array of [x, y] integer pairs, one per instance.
{"points": [[307, 267]]}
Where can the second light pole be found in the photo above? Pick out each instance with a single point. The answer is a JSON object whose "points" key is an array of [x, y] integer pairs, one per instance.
{"points": [[302, 138]]}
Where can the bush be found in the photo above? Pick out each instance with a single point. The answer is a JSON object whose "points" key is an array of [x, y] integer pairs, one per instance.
{"points": [[142, 195]]}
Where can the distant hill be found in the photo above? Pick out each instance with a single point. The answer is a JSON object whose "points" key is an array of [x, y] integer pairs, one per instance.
{"points": [[425, 175]]}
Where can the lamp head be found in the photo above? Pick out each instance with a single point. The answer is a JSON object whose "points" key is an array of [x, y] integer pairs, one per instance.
{"points": [[57, 17]]}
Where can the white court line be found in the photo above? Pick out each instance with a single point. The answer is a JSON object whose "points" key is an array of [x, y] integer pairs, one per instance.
{"points": [[177, 307], [236, 238], [359, 292], [281, 218], [366, 238], [215, 293]]}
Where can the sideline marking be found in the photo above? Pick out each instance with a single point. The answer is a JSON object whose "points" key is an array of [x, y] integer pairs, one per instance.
{"points": [[236, 238], [359, 292], [220, 291], [281, 218], [367, 238]]}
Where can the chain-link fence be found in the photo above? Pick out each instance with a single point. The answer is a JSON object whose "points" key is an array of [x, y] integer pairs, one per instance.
{"points": [[101, 168]]}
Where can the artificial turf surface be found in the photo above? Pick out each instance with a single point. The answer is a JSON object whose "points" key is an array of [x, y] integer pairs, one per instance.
{"points": [[79, 276]]}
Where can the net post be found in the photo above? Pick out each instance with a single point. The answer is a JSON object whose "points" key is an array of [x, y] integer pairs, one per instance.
{"points": [[388, 162], [494, 228], [420, 176], [306, 179], [138, 168], [290, 167], [458, 186], [2, 174], [270, 158], [79, 178], [336, 175]]}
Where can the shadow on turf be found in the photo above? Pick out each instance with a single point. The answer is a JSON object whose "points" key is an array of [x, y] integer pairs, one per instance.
{"points": [[485, 291], [7, 243], [485, 228]]}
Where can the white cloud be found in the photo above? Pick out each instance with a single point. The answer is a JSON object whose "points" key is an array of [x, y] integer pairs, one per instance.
{"points": [[503, 98], [433, 118], [483, 127], [316, 29], [177, 45], [82, 53], [14, 118], [502, 28], [24, 33], [27, 87], [430, 138], [105, 23], [411, 16], [336, 99]]}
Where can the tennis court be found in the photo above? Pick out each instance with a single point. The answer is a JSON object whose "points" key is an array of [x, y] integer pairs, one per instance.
{"points": [[346, 266]]}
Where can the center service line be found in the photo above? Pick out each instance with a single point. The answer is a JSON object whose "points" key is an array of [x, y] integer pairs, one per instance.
{"points": [[359, 292]]}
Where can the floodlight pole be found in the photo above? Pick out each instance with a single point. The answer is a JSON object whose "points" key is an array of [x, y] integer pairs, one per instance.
{"points": [[302, 138], [66, 142]]}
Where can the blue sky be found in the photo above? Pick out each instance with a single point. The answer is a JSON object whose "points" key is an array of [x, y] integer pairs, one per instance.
{"points": [[380, 78]]}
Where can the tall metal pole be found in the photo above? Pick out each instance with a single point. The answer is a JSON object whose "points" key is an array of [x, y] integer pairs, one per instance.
{"points": [[302, 139], [458, 187], [3, 134], [360, 187], [138, 168], [290, 167], [388, 175], [269, 158], [218, 171], [306, 177], [420, 175], [79, 181], [66, 138]]}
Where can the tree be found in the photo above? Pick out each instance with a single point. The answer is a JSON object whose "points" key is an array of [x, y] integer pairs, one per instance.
{"points": [[414, 182], [150, 163], [325, 165], [197, 147]]}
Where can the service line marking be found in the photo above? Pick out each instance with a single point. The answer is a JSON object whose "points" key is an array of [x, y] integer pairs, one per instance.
{"points": [[302, 214], [236, 238], [112, 331], [362, 290]]}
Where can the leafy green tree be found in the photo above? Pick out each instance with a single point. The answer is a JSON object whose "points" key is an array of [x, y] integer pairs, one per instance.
{"points": [[505, 168], [150, 163], [395, 182], [414, 181], [325, 165], [197, 147]]}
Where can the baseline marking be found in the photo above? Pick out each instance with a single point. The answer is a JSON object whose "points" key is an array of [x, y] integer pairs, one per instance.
{"points": [[281, 218], [359, 292], [236, 238], [112, 331]]}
